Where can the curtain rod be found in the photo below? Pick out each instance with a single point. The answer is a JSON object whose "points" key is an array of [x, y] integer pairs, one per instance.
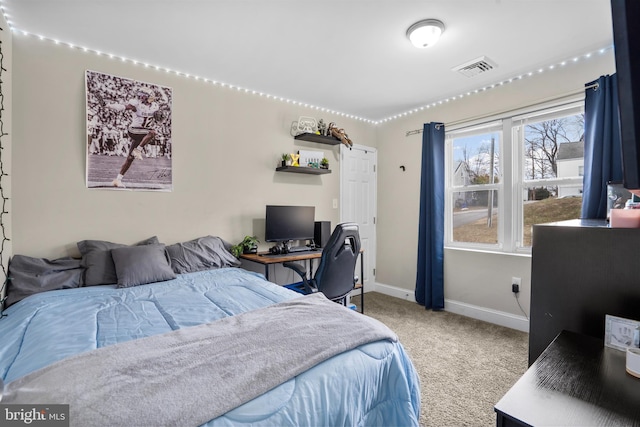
{"points": [[593, 86]]}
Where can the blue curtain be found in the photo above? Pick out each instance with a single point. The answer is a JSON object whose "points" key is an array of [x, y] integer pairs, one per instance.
{"points": [[602, 147], [430, 276]]}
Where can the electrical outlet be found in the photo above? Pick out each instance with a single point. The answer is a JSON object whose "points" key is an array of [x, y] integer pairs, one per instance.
{"points": [[515, 284]]}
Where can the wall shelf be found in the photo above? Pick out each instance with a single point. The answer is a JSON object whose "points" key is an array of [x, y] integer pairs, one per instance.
{"points": [[303, 169], [312, 137]]}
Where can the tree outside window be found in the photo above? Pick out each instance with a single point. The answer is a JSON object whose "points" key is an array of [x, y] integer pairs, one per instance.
{"points": [[543, 183]]}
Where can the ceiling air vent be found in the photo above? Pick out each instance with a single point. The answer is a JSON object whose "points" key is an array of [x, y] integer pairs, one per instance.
{"points": [[475, 67]]}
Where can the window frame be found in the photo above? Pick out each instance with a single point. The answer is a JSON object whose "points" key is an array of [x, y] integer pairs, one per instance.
{"points": [[512, 183], [495, 126]]}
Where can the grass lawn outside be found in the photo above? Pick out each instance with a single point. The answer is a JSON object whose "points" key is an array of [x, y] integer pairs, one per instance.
{"points": [[535, 212]]}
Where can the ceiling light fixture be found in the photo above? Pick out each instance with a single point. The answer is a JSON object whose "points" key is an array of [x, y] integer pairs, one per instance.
{"points": [[425, 33]]}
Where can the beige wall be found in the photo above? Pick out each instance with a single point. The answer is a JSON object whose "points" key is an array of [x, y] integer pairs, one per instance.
{"points": [[226, 147], [472, 278]]}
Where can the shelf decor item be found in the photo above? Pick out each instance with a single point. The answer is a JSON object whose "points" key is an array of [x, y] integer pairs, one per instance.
{"points": [[322, 128], [340, 134], [294, 159], [286, 159], [324, 163], [307, 124], [310, 158]]}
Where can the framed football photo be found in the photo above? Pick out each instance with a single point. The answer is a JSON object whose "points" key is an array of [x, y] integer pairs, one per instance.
{"points": [[129, 145]]}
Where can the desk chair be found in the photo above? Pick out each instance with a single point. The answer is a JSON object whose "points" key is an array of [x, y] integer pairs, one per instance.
{"points": [[335, 276]]}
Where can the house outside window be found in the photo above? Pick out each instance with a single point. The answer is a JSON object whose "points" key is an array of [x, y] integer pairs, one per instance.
{"points": [[475, 185], [570, 162], [508, 174]]}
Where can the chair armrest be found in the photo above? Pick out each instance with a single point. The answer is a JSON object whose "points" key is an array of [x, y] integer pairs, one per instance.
{"points": [[297, 268], [303, 274]]}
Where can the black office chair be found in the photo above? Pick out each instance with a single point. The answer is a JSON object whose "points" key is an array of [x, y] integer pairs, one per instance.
{"points": [[335, 276]]}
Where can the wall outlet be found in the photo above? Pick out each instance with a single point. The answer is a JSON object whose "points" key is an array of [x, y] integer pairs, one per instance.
{"points": [[515, 284]]}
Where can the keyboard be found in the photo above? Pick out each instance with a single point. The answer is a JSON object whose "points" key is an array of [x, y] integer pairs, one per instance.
{"points": [[275, 255], [291, 253], [294, 249]]}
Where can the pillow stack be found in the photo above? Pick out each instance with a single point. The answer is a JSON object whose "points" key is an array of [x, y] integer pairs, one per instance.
{"points": [[106, 263], [203, 253], [29, 276]]}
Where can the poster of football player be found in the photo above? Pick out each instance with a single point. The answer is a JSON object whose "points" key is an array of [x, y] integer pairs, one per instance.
{"points": [[129, 141]]}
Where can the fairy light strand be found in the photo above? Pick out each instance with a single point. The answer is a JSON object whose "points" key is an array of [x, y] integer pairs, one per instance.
{"points": [[498, 84], [424, 107], [189, 76], [3, 231]]}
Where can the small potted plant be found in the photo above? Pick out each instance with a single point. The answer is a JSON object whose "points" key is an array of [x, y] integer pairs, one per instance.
{"points": [[248, 245], [286, 159], [324, 163]]}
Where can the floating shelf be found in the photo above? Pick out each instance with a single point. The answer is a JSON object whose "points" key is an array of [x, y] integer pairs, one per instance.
{"points": [[303, 169], [312, 137]]}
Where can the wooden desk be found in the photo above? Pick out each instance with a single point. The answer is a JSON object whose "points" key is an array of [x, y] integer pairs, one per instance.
{"points": [[267, 259], [576, 381]]}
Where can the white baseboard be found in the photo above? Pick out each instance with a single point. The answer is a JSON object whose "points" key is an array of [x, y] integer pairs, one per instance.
{"points": [[394, 291], [496, 317]]}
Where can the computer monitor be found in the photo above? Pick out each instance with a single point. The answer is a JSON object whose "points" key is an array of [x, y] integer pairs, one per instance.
{"points": [[284, 223]]}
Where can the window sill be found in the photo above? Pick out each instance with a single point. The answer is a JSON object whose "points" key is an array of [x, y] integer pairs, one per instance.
{"points": [[519, 253]]}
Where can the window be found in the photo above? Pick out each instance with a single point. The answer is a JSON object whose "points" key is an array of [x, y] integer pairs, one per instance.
{"points": [[508, 174], [476, 181]]}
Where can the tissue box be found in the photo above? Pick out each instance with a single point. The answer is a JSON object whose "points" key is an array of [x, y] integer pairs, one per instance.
{"points": [[625, 218]]}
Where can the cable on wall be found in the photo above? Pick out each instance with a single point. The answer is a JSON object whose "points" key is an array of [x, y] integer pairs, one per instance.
{"points": [[3, 198]]}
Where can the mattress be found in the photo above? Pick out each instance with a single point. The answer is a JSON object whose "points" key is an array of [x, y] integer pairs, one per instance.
{"points": [[374, 384]]}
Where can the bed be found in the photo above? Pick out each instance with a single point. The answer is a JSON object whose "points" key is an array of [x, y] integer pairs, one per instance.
{"points": [[218, 346]]}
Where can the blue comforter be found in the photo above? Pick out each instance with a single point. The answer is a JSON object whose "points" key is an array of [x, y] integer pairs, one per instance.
{"points": [[374, 384]]}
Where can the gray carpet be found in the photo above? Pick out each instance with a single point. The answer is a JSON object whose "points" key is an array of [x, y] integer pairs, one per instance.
{"points": [[465, 365]]}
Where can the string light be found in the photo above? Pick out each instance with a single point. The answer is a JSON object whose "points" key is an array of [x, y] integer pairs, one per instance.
{"points": [[187, 75], [294, 102], [3, 198], [507, 81]]}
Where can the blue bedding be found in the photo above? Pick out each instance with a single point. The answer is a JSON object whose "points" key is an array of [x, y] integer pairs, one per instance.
{"points": [[375, 384]]}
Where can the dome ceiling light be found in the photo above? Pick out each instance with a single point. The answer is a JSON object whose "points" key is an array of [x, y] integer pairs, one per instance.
{"points": [[425, 33]]}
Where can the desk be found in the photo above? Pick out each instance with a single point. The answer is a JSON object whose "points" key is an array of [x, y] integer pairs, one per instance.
{"points": [[267, 259], [576, 381]]}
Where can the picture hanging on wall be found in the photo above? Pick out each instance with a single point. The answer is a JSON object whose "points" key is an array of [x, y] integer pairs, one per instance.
{"points": [[129, 145]]}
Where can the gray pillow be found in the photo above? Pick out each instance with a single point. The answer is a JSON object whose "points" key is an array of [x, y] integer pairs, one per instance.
{"points": [[204, 253], [96, 259], [29, 276], [139, 265]]}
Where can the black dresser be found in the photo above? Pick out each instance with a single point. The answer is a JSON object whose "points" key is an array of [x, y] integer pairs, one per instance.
{"points": [[581, 270], [576, 381]]}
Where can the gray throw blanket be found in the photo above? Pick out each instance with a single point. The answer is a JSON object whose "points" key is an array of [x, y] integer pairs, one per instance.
{"points": [[190, 376]]}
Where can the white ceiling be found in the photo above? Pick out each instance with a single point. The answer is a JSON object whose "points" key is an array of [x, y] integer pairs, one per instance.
{"points": [[350, 56]]}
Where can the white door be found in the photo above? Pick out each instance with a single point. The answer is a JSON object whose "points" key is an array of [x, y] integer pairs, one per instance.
{"points": [[358, 201]]}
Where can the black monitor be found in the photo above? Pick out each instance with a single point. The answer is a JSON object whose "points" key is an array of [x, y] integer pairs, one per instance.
{"points": [[284, 223]]}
